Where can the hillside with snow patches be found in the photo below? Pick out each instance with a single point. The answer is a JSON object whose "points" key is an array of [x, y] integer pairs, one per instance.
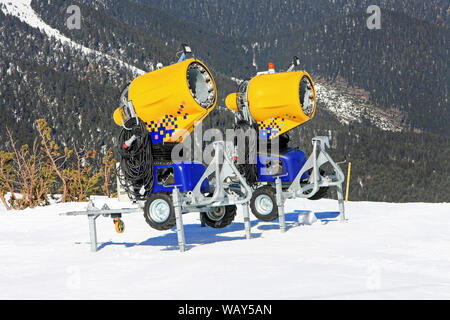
{"points": [[345, 107], [383, 251], [22, 10], [348, 107]]}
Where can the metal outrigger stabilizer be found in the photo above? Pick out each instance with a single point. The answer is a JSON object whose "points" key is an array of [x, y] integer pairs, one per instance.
{"points": [[230, 188], [92, 213], [316, 180]]}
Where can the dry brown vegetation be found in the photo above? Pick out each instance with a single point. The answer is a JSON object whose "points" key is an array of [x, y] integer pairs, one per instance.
{"points": [[33, 175]]}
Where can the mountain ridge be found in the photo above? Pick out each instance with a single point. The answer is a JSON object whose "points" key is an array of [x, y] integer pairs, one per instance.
{"points": [[77, 93]]}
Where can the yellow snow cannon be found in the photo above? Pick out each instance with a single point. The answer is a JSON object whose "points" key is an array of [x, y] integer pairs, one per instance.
{"points": [[277, 102], [170, 100]]}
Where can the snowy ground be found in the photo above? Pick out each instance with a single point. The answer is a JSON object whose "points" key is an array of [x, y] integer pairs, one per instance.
{"points": [[384, 251]]}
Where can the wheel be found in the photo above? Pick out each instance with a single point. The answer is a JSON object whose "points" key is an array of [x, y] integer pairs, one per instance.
{"points": [[159, 212], [322, 192], [264, 204], [119, 225], [219, 217]]}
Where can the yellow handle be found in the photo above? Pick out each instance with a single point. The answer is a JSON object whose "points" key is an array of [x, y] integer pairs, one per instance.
{"points": [[348, 181]]}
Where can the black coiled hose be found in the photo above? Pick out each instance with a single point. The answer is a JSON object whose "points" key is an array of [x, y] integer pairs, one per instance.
{"points": [[248, 170], [135, 171]]}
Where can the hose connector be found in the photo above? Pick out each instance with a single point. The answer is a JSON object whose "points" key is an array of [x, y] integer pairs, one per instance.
{"points": [[129, 142]]}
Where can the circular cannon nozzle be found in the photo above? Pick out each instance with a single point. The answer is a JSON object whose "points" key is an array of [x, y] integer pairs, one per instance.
{"points": [[306, 96], [201, 86]]}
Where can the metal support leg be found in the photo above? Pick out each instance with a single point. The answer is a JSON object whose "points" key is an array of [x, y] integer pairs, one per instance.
{"points": [[247, 225], [340, 195], [282, 218], [179, 220], [202, 221], [93, 232], [280, 204]]}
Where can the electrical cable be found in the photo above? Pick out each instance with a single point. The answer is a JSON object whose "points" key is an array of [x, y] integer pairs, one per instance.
{"points": [[248, 170], [135, 170]]}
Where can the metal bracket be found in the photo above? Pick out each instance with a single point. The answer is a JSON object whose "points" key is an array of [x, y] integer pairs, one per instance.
{"points": [[221, 172], [92, 213], [318, 158], [196, 200]]}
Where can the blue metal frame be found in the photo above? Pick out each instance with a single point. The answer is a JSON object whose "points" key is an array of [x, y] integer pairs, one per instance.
{"points": [[186, 176], [293, 162]]}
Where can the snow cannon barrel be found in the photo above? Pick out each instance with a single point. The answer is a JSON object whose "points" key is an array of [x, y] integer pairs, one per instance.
{"points": [[278, 102], [171, 100]]}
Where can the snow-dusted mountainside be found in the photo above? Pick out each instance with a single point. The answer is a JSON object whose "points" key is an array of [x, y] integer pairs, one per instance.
{"points": [[22, 9], [348, 107], [73, 79], [345, 106], [384, 251]]}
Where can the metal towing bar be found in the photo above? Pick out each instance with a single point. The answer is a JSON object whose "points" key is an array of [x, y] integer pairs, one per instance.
{"points": [[92, 213]]}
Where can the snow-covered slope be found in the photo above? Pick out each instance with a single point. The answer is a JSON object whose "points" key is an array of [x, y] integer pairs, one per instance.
{"points": [[384, 251], [22, 10]]}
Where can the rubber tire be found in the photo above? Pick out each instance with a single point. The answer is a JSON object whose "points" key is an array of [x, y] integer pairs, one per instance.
{"points": [[269, 191], [321, 193], [119, 226], [170, 222], [228, 218]]}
